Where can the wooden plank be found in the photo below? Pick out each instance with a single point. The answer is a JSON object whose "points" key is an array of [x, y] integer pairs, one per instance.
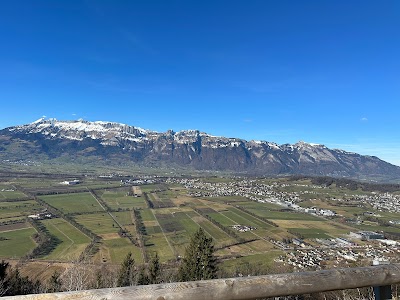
{"points": [[244, 287]]}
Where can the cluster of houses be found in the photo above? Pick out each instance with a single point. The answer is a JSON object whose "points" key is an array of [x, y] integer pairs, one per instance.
{"points": [[248, 188], [318, 258], [252, 190], [275, 193], [243, 228], [41, 216], [21, 162], [138, 181], [379, 201], [340, 251]]}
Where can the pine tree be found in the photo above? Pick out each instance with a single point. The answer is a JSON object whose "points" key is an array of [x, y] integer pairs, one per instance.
{"points": [[3, 269], [143, 279], [54, 283], [154, 270], [199, 262], [127, 271], [19, 285]]}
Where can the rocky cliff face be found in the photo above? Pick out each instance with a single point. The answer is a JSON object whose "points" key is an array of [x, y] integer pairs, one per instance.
{"points": [[51, 139]]}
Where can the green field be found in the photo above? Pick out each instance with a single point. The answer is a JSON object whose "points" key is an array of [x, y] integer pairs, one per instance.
{"points": [[179, 241], [373, 227], [219, 236], [310, 233], [119, 199], [157, 235], [147, 188], [226, 199], [17, 243], [283, 215], [222, 219], [73, 203], [123, 217], [18, 209], [34, 183], [246, 219], [257, 205], [147, 215], [173, 220], [73, 242], [120, 247], [99, 184], [9, 193], [256, 261], [158, 243], [153, 229], [100, 223]]}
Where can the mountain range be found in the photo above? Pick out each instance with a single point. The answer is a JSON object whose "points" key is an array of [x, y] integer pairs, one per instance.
{"points": [[115, 143]]}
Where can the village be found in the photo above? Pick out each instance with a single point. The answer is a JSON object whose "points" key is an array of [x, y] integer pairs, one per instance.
{"points": [[317, 258], [356, 247], [253, 190]]}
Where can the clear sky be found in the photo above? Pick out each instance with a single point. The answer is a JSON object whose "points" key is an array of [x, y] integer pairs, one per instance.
{"points": [[319, 71]]}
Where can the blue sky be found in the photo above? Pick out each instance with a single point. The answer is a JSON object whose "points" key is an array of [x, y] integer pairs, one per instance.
{"points": [[320, 71]]}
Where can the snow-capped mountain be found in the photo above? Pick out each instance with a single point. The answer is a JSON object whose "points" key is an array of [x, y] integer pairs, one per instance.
{"points": [[80, 130], [118, 143]]}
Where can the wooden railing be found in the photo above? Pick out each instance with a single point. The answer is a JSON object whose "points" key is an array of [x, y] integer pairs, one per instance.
{"points": [[380, 277]]}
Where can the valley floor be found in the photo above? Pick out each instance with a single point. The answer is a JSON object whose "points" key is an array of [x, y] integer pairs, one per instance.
{"points": [[258, 225]]}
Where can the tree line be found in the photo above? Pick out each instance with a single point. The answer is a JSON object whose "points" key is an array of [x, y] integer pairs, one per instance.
{"points": [[46, 242]]}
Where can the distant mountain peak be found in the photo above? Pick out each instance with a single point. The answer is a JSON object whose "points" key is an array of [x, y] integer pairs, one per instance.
{"points": [[40, 120], [80, 129]]}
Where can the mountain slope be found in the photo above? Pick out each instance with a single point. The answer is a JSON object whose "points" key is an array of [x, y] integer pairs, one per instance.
{"points": [[119, 143]]}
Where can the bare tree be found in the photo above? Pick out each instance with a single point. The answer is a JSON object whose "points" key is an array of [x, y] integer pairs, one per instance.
{"points": [[77, 276]]}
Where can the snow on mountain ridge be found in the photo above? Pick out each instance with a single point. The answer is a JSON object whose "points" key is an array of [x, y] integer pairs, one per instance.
{"points": [[80, 129], [111, 132], [82, 125], [120, 143]]}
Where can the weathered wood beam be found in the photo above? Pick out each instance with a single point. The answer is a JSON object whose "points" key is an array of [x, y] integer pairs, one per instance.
{"points": [[243, 287]]}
